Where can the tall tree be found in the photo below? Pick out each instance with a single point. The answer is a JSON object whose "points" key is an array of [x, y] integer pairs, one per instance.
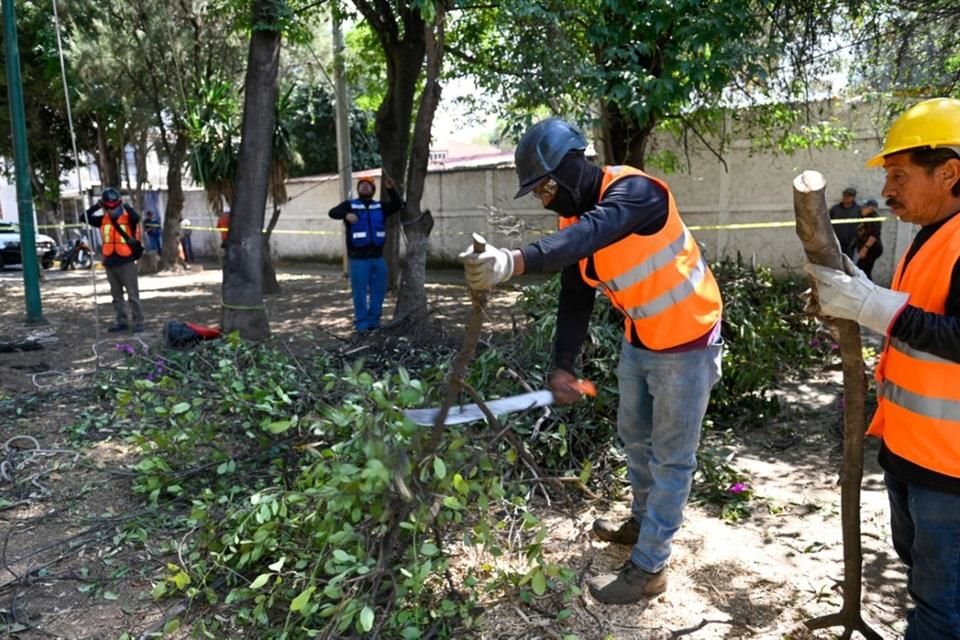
{"points": [[906, 51], [243, 308], [399, 28], [411, 35]]}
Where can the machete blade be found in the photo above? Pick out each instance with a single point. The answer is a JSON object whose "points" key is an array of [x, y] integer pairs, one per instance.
{"points": [[464, 413]]}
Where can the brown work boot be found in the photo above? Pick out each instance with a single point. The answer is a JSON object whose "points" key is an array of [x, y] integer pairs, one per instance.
{"points": [[628, 585], [625, 532]]}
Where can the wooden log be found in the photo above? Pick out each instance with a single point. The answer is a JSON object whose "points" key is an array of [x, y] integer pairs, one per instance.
{"points": [[821, 246]]}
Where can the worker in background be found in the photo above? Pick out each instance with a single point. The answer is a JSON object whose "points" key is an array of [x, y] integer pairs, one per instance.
{"points": [[365, 221]]}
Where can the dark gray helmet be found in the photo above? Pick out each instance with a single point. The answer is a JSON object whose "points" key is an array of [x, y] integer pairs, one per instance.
{"points": [[542, 148], [110, 198]]}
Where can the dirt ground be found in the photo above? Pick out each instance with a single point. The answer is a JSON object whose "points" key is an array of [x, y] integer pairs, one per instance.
{"points": [[67, 570]]}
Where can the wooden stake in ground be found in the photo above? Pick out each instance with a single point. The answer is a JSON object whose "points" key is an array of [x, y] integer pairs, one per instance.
{"points": [[821, 246]]}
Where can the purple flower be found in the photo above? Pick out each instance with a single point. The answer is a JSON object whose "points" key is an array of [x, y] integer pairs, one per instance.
{"points": [[123, 347], [834, 346], [814, 343], [737, 488], [841, 404]]}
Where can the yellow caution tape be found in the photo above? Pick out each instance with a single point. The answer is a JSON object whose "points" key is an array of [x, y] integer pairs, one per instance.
{"points": [[696, 227], [773, 225]]}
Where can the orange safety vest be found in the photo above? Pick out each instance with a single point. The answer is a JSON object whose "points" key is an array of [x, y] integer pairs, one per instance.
{"points": [[223, 223], [660, 283], [918, 396], [113, 242]]}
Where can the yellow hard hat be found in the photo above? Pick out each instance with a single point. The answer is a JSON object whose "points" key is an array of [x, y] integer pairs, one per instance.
{"points": [[931, 123]]}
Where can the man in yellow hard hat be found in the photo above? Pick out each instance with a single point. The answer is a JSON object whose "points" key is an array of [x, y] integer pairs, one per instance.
{"points": [[918, 376]]}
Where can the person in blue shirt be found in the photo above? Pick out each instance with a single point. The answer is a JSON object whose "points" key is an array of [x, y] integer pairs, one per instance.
{"points": [[151, 225], [365, 221]]}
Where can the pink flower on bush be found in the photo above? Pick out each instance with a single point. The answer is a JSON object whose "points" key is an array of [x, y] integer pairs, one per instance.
{"points": [[737, 488]]}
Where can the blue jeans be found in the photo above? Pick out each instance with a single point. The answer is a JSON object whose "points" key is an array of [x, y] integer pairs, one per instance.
{"points": [[926, 535], [663, 398], [368, 280], [187, 243]]}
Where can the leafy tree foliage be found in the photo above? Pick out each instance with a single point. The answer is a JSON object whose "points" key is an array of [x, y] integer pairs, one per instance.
{"points": [[157, 62], [906, 51], [625, 67], [48, 135], [311, 121]]}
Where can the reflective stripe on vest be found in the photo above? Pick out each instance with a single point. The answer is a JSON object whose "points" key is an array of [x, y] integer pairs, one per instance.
{"points": [[660, 283], [113, 242], [678, 294], [918, 396], [928, 407]]}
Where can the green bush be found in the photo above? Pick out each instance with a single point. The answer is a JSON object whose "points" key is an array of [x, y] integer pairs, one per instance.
{"points": [[768, 336], [318, 510]]}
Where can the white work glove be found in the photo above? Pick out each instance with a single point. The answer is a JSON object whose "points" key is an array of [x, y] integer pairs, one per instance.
{"points": [[856, 297], [486, 269]]}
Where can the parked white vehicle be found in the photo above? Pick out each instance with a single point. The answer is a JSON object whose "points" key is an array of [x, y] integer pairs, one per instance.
{"points": [[10, 246]]}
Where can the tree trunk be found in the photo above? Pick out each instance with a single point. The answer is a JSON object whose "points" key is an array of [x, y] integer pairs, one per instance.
{"points": [[821, 246], [417, 225], [404, 61], [174, 209], [624, 141], [141, 160], [243, 308], [106, 160], [270, 283]]}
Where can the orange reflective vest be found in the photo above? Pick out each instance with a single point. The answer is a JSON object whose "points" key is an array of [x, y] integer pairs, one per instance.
{"points": [[113, 242], [918, 396], [660, 283], [223, 223]]}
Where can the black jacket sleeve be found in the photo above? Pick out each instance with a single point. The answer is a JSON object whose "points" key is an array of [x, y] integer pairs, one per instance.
{"points": [[574, 309], [340, 211], [93, 216], [631, 205], [932, 332]]}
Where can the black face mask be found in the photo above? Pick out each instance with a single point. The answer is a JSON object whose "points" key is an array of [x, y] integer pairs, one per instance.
{"points": [[563, 204], [578, 185]]}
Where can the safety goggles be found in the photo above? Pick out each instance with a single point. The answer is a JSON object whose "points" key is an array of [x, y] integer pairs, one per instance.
{"points": [[546, 190]]}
